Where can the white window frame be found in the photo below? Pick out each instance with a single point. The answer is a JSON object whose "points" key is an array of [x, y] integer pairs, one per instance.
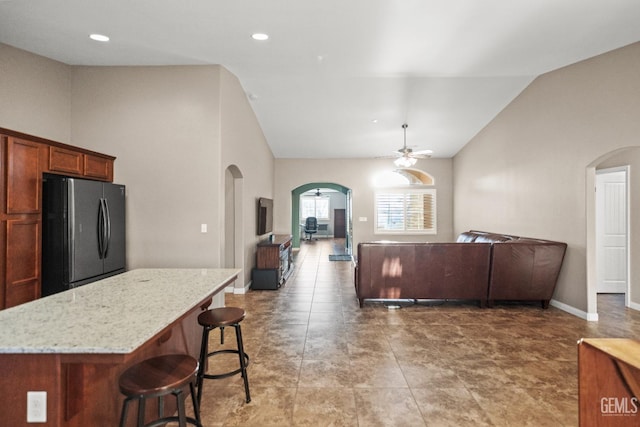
{"points": [[315, 199], [404, 192]]}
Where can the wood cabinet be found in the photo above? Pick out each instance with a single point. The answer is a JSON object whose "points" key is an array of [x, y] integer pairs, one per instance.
{"points": [[21, 220], [82, 386], [65, 161], [274, 262], [23, 160], [98, 167], [609, 382], [70, 162]]}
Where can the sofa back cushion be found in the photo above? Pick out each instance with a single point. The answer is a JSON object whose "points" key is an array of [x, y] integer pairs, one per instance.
{"points": [[484, 237], [423, 270]]}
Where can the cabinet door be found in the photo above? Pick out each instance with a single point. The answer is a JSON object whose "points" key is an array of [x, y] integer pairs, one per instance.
{"points": [[66, 161], [23, 261], [98, 167], [23, 177]]}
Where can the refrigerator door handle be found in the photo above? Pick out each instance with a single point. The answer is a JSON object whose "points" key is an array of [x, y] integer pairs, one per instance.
{"points": [[71, 230], [107, 230], [101, 230]]}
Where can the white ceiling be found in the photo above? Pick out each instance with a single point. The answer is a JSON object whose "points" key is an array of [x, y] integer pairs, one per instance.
{"points": [[330, 67]]}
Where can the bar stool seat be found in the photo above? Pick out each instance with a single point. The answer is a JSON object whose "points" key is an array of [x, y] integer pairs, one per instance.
{"points": [[158, 377], [220, 318]]}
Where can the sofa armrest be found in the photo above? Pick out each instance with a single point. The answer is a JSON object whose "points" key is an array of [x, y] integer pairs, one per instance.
{"points": [[525, 269]]}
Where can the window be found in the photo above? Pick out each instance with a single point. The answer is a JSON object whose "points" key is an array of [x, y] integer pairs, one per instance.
{"points": [[314, 206], [406, 211]]}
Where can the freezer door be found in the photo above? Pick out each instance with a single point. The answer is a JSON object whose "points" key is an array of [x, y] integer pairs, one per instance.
{"points": [[114, 196], [84, 209]]}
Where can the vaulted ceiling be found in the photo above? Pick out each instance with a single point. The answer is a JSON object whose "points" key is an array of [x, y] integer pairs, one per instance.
{"points": [[338, 78]]}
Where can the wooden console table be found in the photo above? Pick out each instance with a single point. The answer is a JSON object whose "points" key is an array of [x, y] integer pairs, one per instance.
{"points": [[74, 345], [609, 382], [274, 262]]}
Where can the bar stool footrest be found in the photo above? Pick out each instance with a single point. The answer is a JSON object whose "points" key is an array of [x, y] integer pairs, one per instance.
{"points": [[230, 373], [176, 419]]}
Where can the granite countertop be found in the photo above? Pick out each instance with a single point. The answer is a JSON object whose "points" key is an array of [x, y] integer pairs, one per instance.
{"points": [[114, 315]]}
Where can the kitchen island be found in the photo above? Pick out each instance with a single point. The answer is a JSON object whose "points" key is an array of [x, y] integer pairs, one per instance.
{"points": [[75, 344]]}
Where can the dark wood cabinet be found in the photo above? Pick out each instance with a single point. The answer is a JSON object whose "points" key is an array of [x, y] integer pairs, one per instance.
{"points": [[65, 161], [71, 162], [98, 167], [21, 220], [23, 261], [23, 160], [274, 262], [23, 176]]}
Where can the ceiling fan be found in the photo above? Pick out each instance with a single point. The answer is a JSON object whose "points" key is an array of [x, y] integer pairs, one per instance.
{"points": [[406, 157]]}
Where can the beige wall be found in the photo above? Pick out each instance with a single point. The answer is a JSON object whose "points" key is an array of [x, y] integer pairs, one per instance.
{"points": [[244, 147], [174, 131], [163, 125], [358, 175], [525, 173], [35, 94]]}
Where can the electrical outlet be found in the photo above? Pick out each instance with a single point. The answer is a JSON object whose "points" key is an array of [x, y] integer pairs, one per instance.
{"points": [[203, 228], [36, 406]]}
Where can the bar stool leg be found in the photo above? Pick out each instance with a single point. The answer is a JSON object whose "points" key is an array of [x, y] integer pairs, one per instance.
{"points": [[182, 418], [160, 406], [194, 401], [125, 411], [204, 351], [243, 365], [141, 411]]}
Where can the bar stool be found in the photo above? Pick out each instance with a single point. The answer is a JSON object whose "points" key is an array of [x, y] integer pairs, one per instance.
{"points": [[158, 377], [220, 318]]}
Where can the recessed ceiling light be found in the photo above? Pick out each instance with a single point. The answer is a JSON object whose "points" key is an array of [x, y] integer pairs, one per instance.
{"points": [[260, 36], [99, 37], [374, 121]]}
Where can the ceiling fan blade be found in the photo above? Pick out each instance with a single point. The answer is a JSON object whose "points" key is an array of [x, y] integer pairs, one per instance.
{"points": [[424, 152]]}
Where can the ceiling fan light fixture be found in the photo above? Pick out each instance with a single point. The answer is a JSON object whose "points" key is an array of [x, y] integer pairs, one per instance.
{"points": [[408, 157], [405, 162]]}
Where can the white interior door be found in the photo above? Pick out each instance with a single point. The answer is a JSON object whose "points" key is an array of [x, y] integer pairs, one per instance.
{"points": [[611, 231]]}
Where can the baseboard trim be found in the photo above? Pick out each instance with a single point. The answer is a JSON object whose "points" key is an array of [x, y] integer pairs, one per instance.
{"points": [[237, 291], [591, 317], [634, 306]]}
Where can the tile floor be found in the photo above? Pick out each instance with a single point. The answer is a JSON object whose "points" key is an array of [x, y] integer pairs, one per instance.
{"points": [[317, 359]]}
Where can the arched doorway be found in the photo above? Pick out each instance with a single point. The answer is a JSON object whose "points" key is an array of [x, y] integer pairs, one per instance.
{"points": [[630, 157], [295, 210], [232, 242]]}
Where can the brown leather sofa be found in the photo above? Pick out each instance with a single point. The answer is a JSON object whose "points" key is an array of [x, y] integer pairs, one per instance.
{"points": [[522, 268], [422, 271], [479, 266]]}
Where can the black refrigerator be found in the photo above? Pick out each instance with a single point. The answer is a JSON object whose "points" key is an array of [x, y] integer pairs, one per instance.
{"points": [[83, 232]]}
